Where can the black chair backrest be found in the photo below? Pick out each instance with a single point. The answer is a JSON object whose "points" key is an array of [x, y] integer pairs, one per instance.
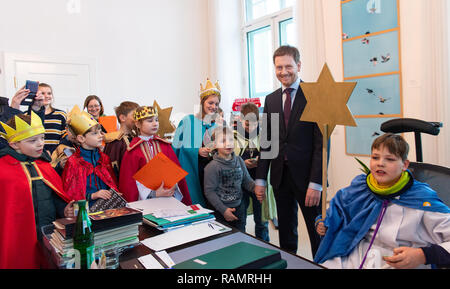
{"points": [[401, 125], [436, 176]]}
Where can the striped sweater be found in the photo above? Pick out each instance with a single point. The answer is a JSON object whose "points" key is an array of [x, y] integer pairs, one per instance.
{"points": [[55, 128]]}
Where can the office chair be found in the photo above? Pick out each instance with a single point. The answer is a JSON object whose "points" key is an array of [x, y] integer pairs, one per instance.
{"points": [[437, 177]]}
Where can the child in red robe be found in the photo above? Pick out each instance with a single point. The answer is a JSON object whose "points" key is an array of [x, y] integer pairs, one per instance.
{"points": [[141, 150], [32, 194], [117, 142], [88, 174]]}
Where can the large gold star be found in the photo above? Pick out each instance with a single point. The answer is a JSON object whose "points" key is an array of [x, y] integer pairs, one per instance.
{"points": [[165, 126], [327, 102]]}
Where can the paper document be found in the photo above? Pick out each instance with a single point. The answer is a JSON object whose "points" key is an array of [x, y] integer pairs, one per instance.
{"points": [[185, 235], [151, 261], [168, 208], [153, 205]]}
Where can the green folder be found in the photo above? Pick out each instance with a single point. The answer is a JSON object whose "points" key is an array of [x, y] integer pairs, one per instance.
{"points": [[282, 264], [241, 255], [164, 223]]}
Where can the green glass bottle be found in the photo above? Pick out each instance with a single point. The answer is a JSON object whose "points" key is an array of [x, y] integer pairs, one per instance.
{"points": [[83, 237]]}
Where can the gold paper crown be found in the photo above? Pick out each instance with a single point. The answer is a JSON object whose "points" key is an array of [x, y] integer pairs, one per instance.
{"points": [[23, 130], [80, 121], [146, 112], [209, 89]]}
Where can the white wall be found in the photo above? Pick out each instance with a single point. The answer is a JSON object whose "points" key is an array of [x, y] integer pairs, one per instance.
{"points": [[145, 49], [226, 49]]}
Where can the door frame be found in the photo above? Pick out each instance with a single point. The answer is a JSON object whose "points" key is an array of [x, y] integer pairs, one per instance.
{"points": [[9, 68]]}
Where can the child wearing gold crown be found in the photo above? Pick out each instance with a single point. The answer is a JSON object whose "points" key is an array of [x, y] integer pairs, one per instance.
{"points": [[88, 174], [32, 193], [141, 150]]}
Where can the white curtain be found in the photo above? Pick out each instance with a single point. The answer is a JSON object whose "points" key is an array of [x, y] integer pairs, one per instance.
{"points": [[308, 15]]}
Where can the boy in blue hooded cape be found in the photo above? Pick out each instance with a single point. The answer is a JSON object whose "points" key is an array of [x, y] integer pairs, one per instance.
{"points": [[386, 218]]}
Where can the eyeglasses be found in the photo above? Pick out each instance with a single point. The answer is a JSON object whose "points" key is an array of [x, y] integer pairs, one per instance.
{"points": [[93, 106]]}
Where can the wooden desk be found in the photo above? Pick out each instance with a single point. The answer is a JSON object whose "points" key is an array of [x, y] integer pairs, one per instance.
{"points": [[128, 259]]}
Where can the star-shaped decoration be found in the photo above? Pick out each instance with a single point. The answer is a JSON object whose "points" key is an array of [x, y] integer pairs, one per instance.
{"points": [[327, 102], [165, 125]]}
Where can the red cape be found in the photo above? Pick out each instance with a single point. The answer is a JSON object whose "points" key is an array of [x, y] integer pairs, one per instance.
{"points": [[19, 247], [134, 159], [77, 170]]}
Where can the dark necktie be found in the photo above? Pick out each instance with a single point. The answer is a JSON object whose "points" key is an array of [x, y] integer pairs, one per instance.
{"points": [[287, 106]]}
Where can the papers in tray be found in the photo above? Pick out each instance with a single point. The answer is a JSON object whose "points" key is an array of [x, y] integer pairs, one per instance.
{"points": [[151, 206], [185, 235], [169, 213]]}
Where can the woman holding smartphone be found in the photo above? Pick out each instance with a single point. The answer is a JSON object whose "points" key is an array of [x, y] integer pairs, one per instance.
{"points": [[54, 119]]}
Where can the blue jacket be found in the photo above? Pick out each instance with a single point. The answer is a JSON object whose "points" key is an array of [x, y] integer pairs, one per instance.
{"points": [[355, 209], [94, 183]]}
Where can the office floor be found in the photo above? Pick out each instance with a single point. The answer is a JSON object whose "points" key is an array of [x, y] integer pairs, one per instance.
{"points": [[304, 248]]}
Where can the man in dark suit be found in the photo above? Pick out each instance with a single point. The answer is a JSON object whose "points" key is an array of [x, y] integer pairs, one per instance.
{"points": [[296, 170]]}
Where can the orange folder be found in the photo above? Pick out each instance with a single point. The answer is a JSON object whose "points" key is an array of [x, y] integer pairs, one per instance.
{"points": [[160, 169], [108, 122]]}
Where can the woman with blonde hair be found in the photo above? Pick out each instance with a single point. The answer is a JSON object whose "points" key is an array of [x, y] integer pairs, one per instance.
{"points": [[55, 119], [192, 140]]}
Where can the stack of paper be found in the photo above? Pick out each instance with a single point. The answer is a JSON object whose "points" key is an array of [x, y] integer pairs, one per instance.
{"points": [[168, 213]]}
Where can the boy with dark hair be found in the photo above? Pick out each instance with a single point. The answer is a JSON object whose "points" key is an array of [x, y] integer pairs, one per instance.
{"points": [[32, 193], [88, 174], [385, 218], [247, 146], [118, 142]]}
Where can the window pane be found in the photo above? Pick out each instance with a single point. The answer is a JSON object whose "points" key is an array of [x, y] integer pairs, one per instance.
{"points": [[287, 3], [259, 8], [287, 32], [260, 62]]}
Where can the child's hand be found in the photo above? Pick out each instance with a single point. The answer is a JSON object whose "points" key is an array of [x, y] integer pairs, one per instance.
{"points": [[102, 194], [68, 210], [229, 216], [406, 258], [260, 192], [321, 229], [163, 192]]}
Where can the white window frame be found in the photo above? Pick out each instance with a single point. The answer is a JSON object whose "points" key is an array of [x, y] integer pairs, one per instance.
{"points": [[273, 20]]}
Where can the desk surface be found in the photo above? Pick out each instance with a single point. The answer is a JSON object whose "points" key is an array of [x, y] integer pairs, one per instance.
{"points": [[128, 260]]}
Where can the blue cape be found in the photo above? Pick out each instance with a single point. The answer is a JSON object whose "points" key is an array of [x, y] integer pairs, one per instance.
{"points": [[355, 209], [187, 141]]}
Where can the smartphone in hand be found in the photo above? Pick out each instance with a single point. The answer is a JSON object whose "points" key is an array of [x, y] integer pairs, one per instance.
{"points": [[33, 87]]}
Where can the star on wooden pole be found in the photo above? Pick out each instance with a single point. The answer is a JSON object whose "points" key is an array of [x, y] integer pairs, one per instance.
{"points": [[165, 125], [327, 106], [327, 102]]}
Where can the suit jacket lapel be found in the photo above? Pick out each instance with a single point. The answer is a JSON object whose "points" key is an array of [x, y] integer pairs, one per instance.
{"points": [[297, 108]]}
